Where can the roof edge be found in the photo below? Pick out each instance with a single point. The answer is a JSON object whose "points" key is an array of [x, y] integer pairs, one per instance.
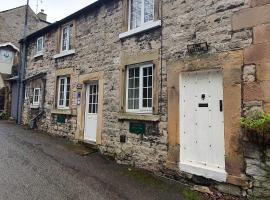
{"points": [[64, 20], [9, 44], [13, 8]]}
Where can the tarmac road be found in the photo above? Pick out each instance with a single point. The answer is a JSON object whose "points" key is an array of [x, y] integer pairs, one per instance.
{"points": [[38, 166]]}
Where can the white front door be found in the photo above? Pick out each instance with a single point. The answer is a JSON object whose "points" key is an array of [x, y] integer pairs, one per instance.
{"points": [[202, 150], [90, 130]]}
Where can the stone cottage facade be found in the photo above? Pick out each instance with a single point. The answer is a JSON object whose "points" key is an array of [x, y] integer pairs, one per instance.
{"points": [[11, 31], [158, 84]]}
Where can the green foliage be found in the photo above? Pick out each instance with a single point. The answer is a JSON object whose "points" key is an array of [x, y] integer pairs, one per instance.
{"points": [[3, 116], [191, 195], [256, 121]]}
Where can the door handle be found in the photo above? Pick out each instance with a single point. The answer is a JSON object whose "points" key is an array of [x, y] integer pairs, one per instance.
{"points": [[221, 105]]}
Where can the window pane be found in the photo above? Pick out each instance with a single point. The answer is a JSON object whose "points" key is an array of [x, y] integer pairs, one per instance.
{"points": [[145, 82], [64, 39], [137, 82], [131, 72], [147, 87], [130, 104], [70, 37], [131, 83], [135, 13], [136, 104], [145, 72], [144, 92], [136, 93], [130, 94], [137, 72], [39, 45], [150, 83], [145, 103], [150, 93], [148, 10], [149, 103]]}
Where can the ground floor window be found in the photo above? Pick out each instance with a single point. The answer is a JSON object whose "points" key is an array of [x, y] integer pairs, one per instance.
{"points": [[139, 92], [36, 97], [63, 92]]}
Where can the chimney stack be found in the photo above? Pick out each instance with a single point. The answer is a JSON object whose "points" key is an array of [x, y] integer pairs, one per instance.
{"points": [[42, 16]]}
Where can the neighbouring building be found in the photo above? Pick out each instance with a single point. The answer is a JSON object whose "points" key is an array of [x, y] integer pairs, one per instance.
{"points": [[11, 31], [158, 84]]}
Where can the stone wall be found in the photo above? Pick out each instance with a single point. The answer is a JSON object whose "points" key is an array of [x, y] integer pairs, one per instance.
{"points": [[256, 96], [258, 168], [99, 49], [12, 23]]}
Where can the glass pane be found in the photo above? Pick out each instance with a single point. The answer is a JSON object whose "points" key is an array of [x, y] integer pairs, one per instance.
{"points": [[135, 13], [150, 71], [136, 104], [150, 93], [64, 39], [148, 10], [137, 72], [130, 104], [90, 99], [70, 37], [150, 81], [130, 94], [136, 93], [145, 81], [145, 72], [131, 72], [137, 82], [149, 103], [131, 83], [145, 103], [144, 92]]}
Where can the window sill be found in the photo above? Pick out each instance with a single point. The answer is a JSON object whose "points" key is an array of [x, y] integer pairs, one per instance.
{"points": [[139, 117], [143, 28], [64, 112], [40, 54], [34, 106], [64, 53]]}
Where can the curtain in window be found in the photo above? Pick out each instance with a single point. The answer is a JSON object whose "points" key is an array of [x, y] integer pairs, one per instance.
{"points": [[64, 39], [148, 10], [135, 13]]}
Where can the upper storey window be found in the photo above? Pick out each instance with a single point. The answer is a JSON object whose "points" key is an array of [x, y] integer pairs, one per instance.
{"points": [[66, 41], [139, 16], [40, 45], [141, 12]]}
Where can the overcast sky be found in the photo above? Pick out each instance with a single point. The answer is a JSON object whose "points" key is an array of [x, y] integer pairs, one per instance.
{"points": [[55, 9]]}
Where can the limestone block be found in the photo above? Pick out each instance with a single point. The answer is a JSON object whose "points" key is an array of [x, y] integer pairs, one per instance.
{"points": [[257, 53], [252, 92], [250, 17], [261, 34], [259, 2]]}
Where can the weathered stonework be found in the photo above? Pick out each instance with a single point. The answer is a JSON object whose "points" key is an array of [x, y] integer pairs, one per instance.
{"points": [[101, 56], [258, 168]]}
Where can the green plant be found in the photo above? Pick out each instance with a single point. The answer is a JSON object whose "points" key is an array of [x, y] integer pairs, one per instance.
{"points": [[256, 121], [3, 116]]}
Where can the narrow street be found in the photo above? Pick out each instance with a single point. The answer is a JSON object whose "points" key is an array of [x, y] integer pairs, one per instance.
{"points": [[38, 166]]}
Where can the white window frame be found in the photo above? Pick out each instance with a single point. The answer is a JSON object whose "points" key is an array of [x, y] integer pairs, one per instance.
{"points": [[142, 16], [65, 78], [141, 110], [68, 38], [42, 45], [36, 103]]}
